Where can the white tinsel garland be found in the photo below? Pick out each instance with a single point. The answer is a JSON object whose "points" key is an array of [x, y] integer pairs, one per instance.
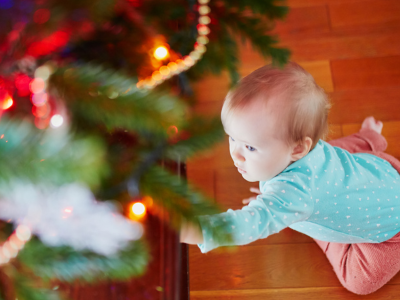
{"points": [[68, 215]]}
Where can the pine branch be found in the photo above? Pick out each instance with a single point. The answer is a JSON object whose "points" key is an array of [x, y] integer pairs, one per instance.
{"points": [[254, 29], [181, 200], [26, 290], [273, 9], [48, 156], [101, 97], [202, 135], [67, 264]]}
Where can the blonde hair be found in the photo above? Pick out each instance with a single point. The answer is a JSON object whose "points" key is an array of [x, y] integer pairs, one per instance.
{"points": [[306, 102]]}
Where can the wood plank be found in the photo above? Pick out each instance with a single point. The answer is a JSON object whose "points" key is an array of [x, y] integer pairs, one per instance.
{"points": [[340, 45], [388, 292], [366, 72], [203, 180], [353, 106], [391, 131], [231, 188], [267, 266], [304, 20], [302, 3], [361, 13]]}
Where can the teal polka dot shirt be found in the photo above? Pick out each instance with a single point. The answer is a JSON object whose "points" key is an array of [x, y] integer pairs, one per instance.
{"points": [[330, 195]]}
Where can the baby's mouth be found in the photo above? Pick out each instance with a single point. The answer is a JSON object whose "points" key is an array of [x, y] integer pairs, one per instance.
{"points": [[241, 171]]}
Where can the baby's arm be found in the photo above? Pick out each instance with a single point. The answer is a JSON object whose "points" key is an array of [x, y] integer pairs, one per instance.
{"points": [[191, 234]]}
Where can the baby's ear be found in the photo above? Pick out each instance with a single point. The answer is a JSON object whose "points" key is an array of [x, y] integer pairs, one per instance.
{"points": [[301, 149]]}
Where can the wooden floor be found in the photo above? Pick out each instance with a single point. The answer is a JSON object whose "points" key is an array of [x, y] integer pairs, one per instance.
{"points": [[352, 47]]}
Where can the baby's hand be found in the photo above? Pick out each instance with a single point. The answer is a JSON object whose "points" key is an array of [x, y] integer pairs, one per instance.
{"points": [[253, 190], [371, 123], [190, 234]]}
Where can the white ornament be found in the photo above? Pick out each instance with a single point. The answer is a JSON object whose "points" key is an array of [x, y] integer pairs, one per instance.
{"points": [[68, 215]]}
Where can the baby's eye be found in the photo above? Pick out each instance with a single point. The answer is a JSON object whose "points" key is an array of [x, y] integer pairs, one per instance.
{"points": [[231, 138], [250, 148]]}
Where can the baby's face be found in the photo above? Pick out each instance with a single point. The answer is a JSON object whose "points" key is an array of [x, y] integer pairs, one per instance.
{"points": [[257, 150]]}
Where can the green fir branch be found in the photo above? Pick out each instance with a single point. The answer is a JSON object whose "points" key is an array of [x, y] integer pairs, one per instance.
{"points": [[273, 9], [103, 97], [254, 29], [181, 200], [25, 289], [202, 135], [48, 156], [66, 264]]}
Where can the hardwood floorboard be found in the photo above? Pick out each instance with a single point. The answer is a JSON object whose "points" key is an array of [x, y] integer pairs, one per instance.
{"points": [[352, 106], [366, 72], [377, 12], [388, 292]]}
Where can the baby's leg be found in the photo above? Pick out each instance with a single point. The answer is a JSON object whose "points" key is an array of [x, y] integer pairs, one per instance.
{"points": [[364, 268]]}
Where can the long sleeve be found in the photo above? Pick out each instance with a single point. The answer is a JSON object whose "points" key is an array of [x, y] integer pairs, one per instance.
{"points": [[280, 205]]}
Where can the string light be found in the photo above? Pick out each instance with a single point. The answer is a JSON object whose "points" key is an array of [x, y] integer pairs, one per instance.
{"points": [[7, 102], [161, 53], [40, 98], [56, 121], [180, 65], [10, 248], [138, 209]]}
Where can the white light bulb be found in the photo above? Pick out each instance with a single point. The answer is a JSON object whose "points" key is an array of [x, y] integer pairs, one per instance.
{"points": [[56, 121]]}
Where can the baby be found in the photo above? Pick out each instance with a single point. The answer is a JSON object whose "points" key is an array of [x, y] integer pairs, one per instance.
{"points": [[344, 194]]}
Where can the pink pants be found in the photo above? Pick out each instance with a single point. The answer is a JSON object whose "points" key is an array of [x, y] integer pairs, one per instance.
{"points": [[364, 268]]}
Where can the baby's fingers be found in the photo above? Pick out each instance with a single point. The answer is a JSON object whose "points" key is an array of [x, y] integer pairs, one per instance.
{"points": [[255, 190], [248, 200]]}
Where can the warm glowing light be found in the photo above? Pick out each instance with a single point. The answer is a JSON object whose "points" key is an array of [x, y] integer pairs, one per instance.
{"points": [[23, 233], [202, 39], [204, 20], [165, 71], [172, 130], [41, 111], [43, 72], [156, 76], [8, 102], [138, 208], [161, 52], [37, 85], [68, 210], [39, 99], [56, 121], [204, 9], [203, 29]]}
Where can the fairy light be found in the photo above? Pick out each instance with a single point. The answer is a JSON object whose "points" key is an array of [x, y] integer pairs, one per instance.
{"points": [[40, 98], [17, 240], [180, 65], [56, 121], [138, 208], [7, 102], [161, 53]]}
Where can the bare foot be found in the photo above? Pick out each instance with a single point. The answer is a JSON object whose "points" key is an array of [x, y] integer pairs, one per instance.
{"points": [[371, 123]]}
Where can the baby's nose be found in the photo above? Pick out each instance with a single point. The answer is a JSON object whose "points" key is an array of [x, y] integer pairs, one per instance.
{"points": [[237, 156]]}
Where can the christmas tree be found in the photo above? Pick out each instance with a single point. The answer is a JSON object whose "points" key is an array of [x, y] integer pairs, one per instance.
{"points": [[96, 100]]}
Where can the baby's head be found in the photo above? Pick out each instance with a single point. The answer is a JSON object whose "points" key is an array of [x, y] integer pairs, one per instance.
{"points": [[274, 117]]}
